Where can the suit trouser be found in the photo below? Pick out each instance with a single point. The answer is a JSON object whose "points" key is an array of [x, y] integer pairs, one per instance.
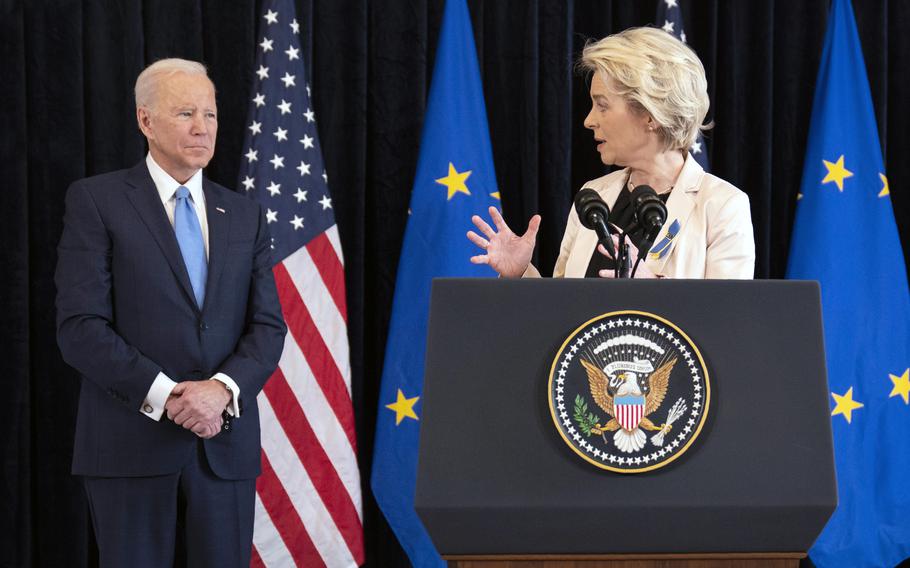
{"points": [[189, 518]]}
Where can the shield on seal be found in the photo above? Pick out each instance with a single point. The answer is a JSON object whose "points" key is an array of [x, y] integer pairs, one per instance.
{"points": [[628, 410]]}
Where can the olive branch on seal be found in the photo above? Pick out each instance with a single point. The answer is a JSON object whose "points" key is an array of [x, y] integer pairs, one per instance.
{"points": [[585, 420]]}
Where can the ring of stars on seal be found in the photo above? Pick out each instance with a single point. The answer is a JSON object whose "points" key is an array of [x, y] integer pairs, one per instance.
{"points": [[629, 391]]}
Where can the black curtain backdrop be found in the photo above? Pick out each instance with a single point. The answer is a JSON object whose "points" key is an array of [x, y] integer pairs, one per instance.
{"points": [[66, 111]]}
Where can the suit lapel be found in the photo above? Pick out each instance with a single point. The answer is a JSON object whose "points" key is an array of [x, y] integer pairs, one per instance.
{"points": [[144, 197], [679, 207], [219, 221]]}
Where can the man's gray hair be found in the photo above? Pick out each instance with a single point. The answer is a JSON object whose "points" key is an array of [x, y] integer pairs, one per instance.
{"points": [[148, 81]]}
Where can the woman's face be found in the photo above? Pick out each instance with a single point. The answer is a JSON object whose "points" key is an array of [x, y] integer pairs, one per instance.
{"points": [[622, 133]]}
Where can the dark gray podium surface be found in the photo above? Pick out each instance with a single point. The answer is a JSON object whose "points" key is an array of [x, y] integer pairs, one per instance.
{"points": [[494, 476]]}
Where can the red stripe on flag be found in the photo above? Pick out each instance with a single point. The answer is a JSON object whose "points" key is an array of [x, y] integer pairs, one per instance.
{"points": [[330, 269], [285, 518], [310, 341], [256, 560], [322, 472]]}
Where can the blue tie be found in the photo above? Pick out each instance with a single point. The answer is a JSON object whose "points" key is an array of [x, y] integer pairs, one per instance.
{"points": [[189, 237]]}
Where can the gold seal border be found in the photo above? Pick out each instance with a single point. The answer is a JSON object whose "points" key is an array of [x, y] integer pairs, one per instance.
{"points": [[701, 423]]}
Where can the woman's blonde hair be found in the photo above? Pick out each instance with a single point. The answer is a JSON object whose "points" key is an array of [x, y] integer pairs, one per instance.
{"points": [[658, 74]]}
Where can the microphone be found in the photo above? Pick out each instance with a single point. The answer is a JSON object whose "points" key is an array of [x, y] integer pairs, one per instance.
{"points": [[593, 214], [650, 214]]}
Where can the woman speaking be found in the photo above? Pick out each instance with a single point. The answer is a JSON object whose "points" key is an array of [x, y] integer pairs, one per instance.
{"points": [[648, 101]]}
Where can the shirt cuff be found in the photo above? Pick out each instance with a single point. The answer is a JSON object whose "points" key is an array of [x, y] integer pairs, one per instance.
{"points": [[233, 407], [153, 405]]}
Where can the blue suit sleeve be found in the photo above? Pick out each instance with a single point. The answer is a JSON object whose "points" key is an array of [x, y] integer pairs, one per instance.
{"points": [[85, 335], [259, 348]]}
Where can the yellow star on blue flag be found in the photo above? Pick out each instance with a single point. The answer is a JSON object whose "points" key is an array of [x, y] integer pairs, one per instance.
{"points": [[455, 146], [837, 173], [403, 407], [865, 305], [455, 181]]}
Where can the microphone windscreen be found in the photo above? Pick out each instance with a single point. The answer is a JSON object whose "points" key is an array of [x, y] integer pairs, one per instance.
{"points": [[588, 201]]}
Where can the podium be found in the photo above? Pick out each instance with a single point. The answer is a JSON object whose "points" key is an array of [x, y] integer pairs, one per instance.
{"points": [[498, 486]]}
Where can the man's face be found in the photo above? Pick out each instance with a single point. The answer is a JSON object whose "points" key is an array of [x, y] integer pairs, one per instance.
{"points": [[181, 124]]}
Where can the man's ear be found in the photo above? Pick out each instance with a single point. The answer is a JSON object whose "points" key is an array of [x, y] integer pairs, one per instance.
{"points": [[144, 119]]}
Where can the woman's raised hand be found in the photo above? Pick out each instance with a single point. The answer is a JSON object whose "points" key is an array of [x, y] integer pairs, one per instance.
{"points": [[505, 252]]}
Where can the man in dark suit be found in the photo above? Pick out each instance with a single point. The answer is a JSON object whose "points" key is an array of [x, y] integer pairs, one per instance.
{"points": [[167, 308]]}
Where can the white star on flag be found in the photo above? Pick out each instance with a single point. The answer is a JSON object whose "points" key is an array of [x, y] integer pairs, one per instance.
{"points": [[292, 53], [310, 115], [284, 107], [274, 189], [277, 161], [248, 183], [288, 80], [263, 72], [255, 128], [325, 202], [304, 168], [271, 17], [252, 155], [271, 216], [266, 44], [297, 222], [300, 195], [281, 134], [259, 99], [670, 17], [307, 141]]}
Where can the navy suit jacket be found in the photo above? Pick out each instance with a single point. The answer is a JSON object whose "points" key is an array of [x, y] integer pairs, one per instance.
{"points": [[126, 310]]}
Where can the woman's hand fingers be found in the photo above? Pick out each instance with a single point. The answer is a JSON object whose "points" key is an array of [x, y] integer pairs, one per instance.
{"points": [[483, 226], [480, 259], [498, 220], [478, 240], [533, 227]]}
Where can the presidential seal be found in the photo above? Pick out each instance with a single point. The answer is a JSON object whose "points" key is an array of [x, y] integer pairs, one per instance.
{"points": [[629, 392]]}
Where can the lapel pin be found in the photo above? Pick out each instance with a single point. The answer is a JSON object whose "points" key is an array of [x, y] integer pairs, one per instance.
{"points": [[219, 209]]}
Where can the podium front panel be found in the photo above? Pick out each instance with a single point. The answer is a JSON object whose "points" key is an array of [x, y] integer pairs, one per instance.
{"points": [[495, 477]]}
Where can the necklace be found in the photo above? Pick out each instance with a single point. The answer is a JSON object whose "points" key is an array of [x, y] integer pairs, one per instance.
{"points": [[632, 186]]}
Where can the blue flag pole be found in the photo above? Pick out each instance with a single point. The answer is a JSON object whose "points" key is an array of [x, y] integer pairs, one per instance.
{"points": [[455, 179], [845, 236]]}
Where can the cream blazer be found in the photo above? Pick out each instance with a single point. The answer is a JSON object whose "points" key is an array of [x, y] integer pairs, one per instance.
{"points": [[708, 233]]}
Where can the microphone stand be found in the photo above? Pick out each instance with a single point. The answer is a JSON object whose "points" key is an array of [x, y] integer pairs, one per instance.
{"points": [[623, 262], [623, 265]]}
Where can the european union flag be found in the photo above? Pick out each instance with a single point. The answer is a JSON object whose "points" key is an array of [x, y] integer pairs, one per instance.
{"points": [[455, 179], [845, 236]]}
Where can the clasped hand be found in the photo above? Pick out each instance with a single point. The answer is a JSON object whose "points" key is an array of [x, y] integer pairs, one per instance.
{"points": [[198, 405]]}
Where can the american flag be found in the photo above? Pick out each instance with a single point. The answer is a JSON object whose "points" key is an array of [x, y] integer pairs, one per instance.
{"points": [[669, 18], [308, 500]]}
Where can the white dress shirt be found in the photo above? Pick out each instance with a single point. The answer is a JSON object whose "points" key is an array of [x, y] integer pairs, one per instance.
{"points": [[153, 405]]}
